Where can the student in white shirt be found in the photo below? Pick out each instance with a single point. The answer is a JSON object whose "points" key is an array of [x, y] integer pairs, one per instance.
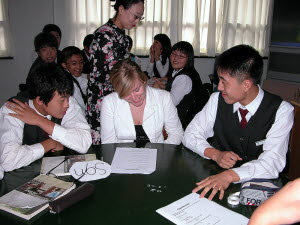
{"points": [[137, 112], [72, 62], [185, 86], [158, 65], [251, 146], [49, 120]]}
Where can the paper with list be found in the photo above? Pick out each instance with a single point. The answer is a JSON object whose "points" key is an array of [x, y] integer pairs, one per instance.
{"points": [[134, 161], [194, 210]]}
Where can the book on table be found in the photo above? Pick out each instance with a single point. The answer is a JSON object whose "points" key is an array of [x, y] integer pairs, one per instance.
{"points": [[60, 165], [33, 197]]}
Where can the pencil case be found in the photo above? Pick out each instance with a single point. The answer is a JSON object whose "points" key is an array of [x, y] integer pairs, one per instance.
{"points": [[76, 195]]}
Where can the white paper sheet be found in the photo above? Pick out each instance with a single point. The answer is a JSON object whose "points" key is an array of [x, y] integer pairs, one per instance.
{"points": [[134, 161], [194, 210]]}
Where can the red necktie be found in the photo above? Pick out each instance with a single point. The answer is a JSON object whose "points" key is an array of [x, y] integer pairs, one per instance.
{"points": [[243, 113]]}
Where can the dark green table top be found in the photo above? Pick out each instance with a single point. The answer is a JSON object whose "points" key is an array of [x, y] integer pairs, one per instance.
{"points": [[133, 199]]}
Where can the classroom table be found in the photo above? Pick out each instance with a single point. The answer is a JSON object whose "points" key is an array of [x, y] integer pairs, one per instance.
{"points": [[134, 198]]}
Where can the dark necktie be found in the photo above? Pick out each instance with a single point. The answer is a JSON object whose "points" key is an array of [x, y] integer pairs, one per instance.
{"points": [[243, 113]]}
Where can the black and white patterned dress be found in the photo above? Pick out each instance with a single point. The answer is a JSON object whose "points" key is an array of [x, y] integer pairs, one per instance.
{"points": [[109, 46]]}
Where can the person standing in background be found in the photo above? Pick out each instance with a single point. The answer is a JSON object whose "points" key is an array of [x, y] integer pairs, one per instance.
{"points": [[109, 46]]}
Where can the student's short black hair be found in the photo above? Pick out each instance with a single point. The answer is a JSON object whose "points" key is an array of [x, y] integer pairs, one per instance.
{"points": [[47, 79], [241, 61], [67, 53], [88, 40], [43, 40], [52, 27], [187, 49]]}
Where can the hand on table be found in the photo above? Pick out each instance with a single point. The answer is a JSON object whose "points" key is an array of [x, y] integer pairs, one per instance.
{"points": [[216, 183]]}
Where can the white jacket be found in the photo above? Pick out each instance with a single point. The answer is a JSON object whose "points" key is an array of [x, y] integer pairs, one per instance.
{"points": [[117, 124]]}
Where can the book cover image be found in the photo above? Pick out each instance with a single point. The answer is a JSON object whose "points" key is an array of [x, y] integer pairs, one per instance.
{"points": [[32, 197]]}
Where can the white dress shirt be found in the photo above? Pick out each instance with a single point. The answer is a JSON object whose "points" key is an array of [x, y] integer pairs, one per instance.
{"points": [[117, 124], [82, 80], [162, 69], [273, 158], [181, 86], [74, 133]]}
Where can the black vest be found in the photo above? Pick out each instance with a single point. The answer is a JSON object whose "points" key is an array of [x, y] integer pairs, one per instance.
{"points": [[192, 102], [229, 136]]}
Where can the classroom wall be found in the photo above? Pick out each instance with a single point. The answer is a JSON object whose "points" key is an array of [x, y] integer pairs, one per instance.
{"points": [[27, 18]]}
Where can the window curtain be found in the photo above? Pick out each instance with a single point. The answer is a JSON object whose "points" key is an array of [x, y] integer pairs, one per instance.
{"points": [[5, 36], [211, 26]]}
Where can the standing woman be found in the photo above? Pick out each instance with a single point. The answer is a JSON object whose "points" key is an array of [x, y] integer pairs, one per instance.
{"points": [[109, 46], [160, 50]]}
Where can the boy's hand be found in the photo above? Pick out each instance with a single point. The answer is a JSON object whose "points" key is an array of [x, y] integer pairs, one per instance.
{"points": [[23, 112]]}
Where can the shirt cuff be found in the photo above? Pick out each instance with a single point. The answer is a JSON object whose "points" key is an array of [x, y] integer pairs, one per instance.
{"points": [[58, 133], [38, 151], [203, 147], [243, 173]]}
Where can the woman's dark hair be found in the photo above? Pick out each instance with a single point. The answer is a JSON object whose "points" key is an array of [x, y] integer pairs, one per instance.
{"points": [[126, 4], [47, 79], [43, 40], [67, 53], [165, 42], [187, 49], [52, 27]]}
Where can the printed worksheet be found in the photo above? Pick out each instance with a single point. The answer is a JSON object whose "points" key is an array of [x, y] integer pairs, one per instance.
{"points": [[193, 210], [134, 161]]}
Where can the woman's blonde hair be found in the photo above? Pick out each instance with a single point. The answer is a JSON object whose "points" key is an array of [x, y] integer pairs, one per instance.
{"points": [[123, 76]]}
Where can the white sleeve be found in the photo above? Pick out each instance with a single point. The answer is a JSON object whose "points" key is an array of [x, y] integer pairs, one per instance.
{"points": [[273, 158], [181, 86], [108, 133], [162, 69], [172, 123], [201, 127], [74, 131], [13, 154], [149, 68]]}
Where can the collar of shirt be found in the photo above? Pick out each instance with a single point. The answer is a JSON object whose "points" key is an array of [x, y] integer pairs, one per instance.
{"points": [[31, 105], [175, 72], [252, 106]]}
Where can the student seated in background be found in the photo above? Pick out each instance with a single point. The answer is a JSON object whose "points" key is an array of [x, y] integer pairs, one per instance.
{"points": [[49, 120], [185, 86], [136, 112], [248, 128], [56, 32], [72, 62], [159, 64], [87, 67], [45, 46], [133, 57], [281, 208]]}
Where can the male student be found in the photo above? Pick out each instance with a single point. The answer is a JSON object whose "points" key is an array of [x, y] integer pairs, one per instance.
{"points": [[248, 127], [45, 46], [47, 121], [56, 32]]}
